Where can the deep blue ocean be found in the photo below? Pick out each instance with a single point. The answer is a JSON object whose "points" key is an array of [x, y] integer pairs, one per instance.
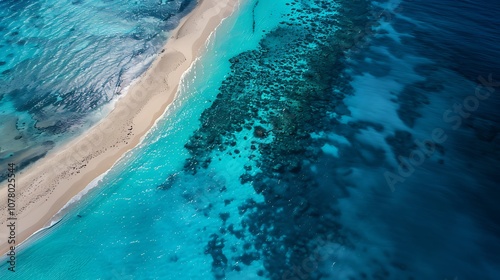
{"points": [[314, 139]]}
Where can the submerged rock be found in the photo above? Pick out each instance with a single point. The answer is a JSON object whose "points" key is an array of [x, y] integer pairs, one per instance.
{"points": [[260, 132]]}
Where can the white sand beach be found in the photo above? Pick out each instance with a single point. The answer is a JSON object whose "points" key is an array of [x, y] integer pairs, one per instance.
{"points": [[45, 187]]}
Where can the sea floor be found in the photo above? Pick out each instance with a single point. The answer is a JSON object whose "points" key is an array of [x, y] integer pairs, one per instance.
{"points": [[313, 140]]}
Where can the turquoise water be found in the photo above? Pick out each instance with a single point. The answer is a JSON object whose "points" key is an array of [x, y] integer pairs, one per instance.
{"points": [[273, 162], [175, 251], [62, 62]]}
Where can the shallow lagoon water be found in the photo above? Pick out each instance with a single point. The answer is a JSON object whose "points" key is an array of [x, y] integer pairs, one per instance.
{"points": [[273, 161], [64, 63]]}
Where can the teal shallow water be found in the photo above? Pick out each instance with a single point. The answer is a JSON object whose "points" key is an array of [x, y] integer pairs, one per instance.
{"points": [[62, 63], [132, 228], [270, 164]]}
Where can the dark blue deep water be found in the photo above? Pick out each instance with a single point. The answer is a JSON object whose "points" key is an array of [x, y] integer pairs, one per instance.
{"points": [[315, 139], [441, 219]]}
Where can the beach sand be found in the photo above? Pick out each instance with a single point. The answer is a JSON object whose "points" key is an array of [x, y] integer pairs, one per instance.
{"points": [[45, 187]]}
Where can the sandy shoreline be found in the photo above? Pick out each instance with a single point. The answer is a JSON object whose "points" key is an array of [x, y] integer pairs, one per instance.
{"points": [[44, 188]]}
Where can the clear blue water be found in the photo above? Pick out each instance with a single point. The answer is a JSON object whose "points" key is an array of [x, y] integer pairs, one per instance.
{"points": [[62, 62], [286, 155]]}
